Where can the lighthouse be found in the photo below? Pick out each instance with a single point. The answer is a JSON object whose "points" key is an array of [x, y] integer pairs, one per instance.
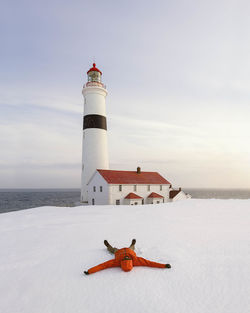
{"points": [[94, 142]]}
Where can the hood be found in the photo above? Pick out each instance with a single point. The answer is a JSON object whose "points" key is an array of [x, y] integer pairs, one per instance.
{"points": [[126, 265]]}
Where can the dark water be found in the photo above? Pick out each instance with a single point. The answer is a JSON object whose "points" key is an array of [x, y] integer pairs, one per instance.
{"points": [[207, 193], [20, 199]]}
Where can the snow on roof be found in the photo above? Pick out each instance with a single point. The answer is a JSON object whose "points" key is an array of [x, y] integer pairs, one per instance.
{"points": [[132, 195], [173, 193], [155, 195], [132, 177]]}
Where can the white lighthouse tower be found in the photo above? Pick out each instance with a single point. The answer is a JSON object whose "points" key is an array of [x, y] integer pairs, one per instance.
{"points": [[94, 144]]}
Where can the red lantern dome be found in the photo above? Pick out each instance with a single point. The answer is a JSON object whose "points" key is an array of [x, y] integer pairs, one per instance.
{"points": [[94, 68]]}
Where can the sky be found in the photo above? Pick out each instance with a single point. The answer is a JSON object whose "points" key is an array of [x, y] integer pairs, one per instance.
{"points": [[177, 74]]}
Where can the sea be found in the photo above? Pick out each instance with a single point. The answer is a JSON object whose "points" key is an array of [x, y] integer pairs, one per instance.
{"points": [[21, 199]]}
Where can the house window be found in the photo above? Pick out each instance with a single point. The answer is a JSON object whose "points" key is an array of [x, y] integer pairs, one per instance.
{"points": [[100, 188], [158, 201], [142, 201], [120, 187], [160, 187], [148, 187], [93, 201], [136, 203], [94, 188], [117, 202], [135, 188]]}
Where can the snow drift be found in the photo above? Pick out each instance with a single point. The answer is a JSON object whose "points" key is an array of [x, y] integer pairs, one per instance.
{"points": [[44, 252]]}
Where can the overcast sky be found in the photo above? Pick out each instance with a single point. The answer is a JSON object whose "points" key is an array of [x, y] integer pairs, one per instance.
{"points": [[178, 77]]}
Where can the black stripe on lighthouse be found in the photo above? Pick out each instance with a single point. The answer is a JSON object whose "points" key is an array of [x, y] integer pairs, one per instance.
{"points": [[94, 121]]}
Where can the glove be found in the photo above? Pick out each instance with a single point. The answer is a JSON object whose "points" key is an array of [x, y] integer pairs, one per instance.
{"points": [[168, 266], [86, 272]]}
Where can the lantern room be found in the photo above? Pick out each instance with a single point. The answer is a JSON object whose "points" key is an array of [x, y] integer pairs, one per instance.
{"points": [[94, 74]]}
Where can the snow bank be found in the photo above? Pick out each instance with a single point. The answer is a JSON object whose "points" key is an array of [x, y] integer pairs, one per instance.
{"points": [[44, 252]]}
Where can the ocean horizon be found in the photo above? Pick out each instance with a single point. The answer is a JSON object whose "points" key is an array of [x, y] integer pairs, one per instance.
{"points": [[26, 198]]}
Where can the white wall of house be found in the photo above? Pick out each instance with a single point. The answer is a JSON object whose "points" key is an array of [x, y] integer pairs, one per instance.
{"points": [[111, 193], [155, 200], [141, 190], [132, 201], [100, 197]]}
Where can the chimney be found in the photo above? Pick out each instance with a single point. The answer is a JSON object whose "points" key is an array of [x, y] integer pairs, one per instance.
{"points": [[138, 170]]}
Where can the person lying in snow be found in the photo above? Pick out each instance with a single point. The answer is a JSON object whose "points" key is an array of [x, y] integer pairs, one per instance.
{"points": [[125, 258]]}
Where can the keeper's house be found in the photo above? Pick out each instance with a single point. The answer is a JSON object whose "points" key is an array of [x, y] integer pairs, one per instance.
{"points": [[130, 187]]}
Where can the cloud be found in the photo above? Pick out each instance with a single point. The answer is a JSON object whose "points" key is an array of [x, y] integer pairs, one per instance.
{"points": [[30, 166], [178, 87], [34, 100]]}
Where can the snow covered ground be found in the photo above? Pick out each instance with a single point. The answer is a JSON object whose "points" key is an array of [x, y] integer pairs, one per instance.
{"points": [[44, 252]]}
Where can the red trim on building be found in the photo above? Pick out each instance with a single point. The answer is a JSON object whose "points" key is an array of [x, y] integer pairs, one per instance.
{"points": [[132, 195], [94, 68], [155, 195], [132, 177]]}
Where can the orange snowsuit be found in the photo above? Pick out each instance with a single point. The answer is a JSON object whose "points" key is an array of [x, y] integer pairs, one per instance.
{"points": [[126, 265]]}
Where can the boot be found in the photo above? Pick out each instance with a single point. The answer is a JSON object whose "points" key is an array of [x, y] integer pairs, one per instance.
{"points": [[106, 243]]}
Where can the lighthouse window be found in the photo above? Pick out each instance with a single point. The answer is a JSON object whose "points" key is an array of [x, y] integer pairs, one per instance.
{"points": [[100, 188], [94, 188], [93, 201], [117, 202], [94, 77], [120, 187]]}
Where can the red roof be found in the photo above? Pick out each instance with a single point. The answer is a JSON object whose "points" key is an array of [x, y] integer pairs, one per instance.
{"points": [[155, 195], [173, 193], [94, 69], [132, 195], [132, 177]]}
